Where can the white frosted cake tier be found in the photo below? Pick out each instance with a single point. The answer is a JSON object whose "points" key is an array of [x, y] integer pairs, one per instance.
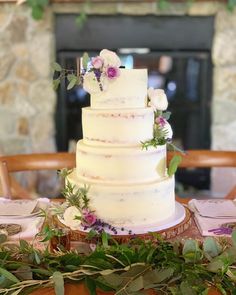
{"points": [[130, 205], [120, 164], [129, 90], [117, 127]]}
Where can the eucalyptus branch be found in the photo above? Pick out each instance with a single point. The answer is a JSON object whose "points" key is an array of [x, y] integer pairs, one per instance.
{"points": [[132, 279], [161, 270]]}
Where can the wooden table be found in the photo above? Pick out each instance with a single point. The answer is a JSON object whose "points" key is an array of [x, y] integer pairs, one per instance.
{"points": [[80, 289]]}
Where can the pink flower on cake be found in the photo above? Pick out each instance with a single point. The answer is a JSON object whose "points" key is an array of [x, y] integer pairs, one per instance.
{"points": [[112, 72], [110, 58], [97, 62], [158, 100], [161, 121], [166, 127]]}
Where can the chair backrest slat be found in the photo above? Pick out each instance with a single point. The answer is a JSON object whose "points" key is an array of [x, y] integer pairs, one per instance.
{"points": [[206, 158], [56, 161], [39, 161]]}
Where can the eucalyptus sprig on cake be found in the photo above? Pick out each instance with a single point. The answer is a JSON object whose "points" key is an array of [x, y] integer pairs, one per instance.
{"points": [[162, 131], [186, 267], [76, 212]]}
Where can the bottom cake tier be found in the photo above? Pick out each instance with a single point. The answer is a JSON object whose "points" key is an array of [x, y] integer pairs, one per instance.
{"points": [[130, 205]]}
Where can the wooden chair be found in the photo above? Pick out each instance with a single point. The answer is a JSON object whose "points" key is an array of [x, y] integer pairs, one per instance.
{"points": [[207, 159], [30, 162], [8, 164]]}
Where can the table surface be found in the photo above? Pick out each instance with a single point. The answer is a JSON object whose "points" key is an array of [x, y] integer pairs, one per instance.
{"points": [[191, 232]]}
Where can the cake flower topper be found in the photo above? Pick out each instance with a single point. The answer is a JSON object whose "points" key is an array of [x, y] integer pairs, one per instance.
{"points": [[101, 70], [94, 74]]}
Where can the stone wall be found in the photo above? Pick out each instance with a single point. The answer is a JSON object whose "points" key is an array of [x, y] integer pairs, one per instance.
{"points": [[27, 101]]}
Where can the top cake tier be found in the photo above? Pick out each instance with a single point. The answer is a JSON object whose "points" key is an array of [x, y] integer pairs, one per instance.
{"points": [[129, 90]]}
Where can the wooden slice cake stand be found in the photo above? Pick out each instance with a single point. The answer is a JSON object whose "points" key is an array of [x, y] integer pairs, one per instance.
{"points": [[174, 227]]}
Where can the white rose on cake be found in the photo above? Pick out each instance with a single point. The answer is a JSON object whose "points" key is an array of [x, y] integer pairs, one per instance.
{"points": [[157, 99], [69, 217], [110, 58]]}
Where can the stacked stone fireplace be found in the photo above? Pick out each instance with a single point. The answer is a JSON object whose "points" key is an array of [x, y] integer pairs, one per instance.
{"points": [[27, 49]]}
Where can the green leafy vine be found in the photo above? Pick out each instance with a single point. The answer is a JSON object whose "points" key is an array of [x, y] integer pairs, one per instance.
{"points": [[38, 8], [186, 267]]}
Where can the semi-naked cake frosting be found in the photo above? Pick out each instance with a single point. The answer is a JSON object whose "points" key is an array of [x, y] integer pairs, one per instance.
{"points": [[128, 184]]}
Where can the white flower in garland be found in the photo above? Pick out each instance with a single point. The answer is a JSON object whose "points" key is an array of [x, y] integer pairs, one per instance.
{"points": [[157, 99], [69, 217]]}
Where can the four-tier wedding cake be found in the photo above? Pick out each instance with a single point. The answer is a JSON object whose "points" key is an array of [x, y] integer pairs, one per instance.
{"points": [[120, 157]]}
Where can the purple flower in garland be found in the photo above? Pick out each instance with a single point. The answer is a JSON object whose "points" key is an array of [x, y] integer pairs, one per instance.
{"points": [[112, 72]]}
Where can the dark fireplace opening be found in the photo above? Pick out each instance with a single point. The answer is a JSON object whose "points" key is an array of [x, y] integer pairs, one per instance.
{"points": [[176, 50]]}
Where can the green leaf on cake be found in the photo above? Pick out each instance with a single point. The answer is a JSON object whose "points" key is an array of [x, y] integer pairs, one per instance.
{"points": [[71, 77], [85, 60], [105, 238], [173, 165], [73, 80], [56, 67], [166, 115]]}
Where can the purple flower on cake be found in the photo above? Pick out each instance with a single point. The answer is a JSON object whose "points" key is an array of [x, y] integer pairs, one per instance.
{"points": [[97, 62], [158, 100], [166, 127], [160, 121], [89, 218], [112, 72], [110, 58]]}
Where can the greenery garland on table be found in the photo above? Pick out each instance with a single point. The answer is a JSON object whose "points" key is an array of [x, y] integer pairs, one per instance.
{"points": [[169, 268]]}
